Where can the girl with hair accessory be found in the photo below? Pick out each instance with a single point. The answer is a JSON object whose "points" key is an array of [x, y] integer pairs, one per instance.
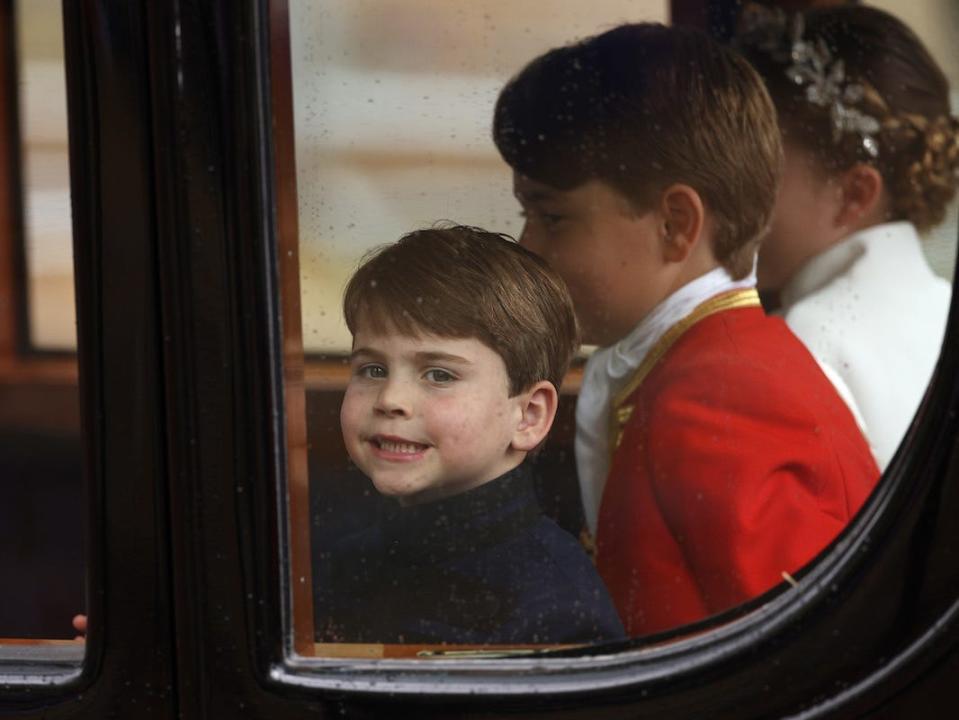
{"points": [[871, 161]]}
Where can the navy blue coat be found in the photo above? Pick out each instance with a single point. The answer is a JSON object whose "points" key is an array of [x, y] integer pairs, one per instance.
{"points": [[482, 567]]}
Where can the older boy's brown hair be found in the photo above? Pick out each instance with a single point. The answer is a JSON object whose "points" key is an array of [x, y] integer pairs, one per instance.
{"points": [[464, 282], [641, 107]]}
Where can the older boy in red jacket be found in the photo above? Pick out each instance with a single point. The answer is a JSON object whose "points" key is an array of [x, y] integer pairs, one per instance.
{"points": [[715, 458]]}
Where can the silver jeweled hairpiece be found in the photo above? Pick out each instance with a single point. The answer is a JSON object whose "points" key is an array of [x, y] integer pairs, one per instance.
{"points": [[813, 66]]}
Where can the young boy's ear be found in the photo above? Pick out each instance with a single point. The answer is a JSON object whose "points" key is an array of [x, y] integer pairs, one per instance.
{"points": [[683, 218], [538, 407]]}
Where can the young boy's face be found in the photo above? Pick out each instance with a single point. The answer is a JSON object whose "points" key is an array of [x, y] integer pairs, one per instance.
{"points": [[610, 256], [427, 417]]}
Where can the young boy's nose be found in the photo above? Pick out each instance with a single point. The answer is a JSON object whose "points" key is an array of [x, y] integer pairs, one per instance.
{"points": [[393, 398]]}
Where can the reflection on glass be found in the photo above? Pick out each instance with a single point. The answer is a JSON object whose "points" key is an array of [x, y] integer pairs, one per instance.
{"points": [[392, 104], [41, 559]]}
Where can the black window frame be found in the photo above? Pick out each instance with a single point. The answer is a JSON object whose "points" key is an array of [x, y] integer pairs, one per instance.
{"points": [[128, 660]]}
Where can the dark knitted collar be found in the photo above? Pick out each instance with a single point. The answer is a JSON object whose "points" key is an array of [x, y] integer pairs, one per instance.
{"points": [[462, 524]]}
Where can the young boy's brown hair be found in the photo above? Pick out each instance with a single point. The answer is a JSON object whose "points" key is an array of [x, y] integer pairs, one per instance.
{"points": [[460, 282], [618, 109]]}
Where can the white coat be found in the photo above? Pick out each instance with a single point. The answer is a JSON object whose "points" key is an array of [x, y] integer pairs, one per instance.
{"points": [[873, 313]]}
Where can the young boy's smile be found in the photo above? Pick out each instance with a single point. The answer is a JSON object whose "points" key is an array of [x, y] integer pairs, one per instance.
{"points": [[428, 417]]}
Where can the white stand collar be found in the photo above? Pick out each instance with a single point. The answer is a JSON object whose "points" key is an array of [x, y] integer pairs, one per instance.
{"points": [[821, 269]]}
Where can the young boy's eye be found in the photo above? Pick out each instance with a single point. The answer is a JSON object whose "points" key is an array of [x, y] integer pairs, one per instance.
{"points": [[547, 219], [436, 375], [371, 371]]}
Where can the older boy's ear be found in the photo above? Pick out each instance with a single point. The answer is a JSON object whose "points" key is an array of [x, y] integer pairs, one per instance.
{"points": [[683, 219], [861, 200], [538, 406]]}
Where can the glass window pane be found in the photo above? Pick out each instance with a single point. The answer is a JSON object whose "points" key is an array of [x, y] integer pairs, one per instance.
{"points": [[41, 483], [46, 178], [383, 125], [392, 135]]}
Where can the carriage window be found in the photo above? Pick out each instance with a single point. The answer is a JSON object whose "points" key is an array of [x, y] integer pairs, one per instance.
{"points": [[390, 105], [383, 116], [41, 508]]}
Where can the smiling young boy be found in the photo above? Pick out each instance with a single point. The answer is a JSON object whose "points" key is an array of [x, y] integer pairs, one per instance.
{"points": [[461, 339], [715, 458]]}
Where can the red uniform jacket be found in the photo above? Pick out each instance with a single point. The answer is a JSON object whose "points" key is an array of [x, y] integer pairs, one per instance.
{"points": [[737, 461]]}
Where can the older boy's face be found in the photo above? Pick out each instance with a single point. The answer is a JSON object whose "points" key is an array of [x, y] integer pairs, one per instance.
{"points": [[610, 257], [428, 417]]}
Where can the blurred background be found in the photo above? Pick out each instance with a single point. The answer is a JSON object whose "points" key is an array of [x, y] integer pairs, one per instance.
{"points": [[393, 101]]}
